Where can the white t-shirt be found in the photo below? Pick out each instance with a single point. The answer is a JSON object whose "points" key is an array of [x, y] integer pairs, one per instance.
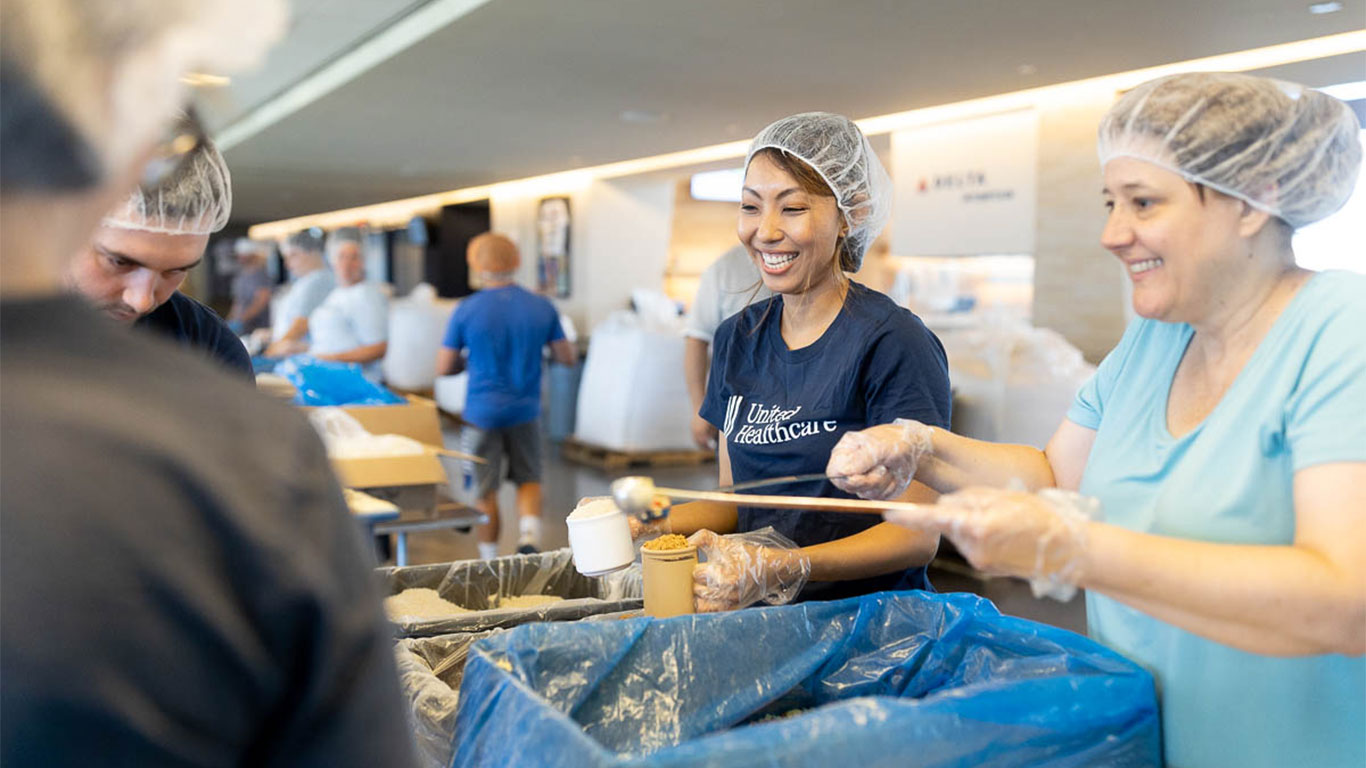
{"points": [[352, 316], [299, 299], [727, 287]]}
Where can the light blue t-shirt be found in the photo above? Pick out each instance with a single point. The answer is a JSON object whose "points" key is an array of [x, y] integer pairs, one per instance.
{"points": [[1299, 401]]}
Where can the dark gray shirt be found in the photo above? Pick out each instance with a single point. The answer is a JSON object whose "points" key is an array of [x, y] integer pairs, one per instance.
{"points": [[180, 581]]}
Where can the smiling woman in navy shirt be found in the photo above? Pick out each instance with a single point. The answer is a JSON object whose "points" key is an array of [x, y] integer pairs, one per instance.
{"points": [[822, 357]]}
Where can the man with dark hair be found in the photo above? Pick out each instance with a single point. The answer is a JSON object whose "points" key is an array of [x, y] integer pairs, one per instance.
{"points": [[144, 249]]}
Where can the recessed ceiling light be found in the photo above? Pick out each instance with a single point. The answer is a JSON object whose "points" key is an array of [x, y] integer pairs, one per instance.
{"points": [[205, 80], [1321, 8], [640, 116]]}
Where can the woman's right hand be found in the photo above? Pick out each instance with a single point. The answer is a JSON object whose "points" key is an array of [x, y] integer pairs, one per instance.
{"points": [[879, 462]]}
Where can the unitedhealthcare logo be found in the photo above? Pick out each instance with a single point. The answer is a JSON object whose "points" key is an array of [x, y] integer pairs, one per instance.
{"points": [[732, 413]]}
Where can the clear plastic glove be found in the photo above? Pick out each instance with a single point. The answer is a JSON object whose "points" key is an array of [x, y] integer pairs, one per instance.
{"points": [[879, 462], [641, 529], [743, 568], [1037, 536]]}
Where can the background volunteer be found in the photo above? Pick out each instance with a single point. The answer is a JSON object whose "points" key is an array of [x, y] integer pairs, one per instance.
{"points": [[352, 323], [310, 283], [499, 335], [728, 285]]}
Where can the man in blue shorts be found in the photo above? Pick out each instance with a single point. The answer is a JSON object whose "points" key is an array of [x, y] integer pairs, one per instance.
{"points": [[499, 335]]}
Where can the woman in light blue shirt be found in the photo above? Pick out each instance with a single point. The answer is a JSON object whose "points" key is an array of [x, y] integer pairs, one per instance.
{"points": [[1222, 442]]}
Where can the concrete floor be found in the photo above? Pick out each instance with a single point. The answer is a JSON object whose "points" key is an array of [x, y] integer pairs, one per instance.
{"points": [[565, 483]]}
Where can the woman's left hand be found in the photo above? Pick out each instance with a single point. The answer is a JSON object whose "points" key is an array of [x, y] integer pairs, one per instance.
{"points": [[744, 568], [1036, 536]]}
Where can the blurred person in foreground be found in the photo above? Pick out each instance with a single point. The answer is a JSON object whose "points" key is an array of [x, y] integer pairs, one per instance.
{"points": [[728, 285], [310, 283], [144, 248], [499, 335], [250, 288], [1208, 486], [180, 581]]}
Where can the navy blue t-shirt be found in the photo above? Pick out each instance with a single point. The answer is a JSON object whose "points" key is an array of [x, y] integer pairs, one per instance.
{"points": [[782, 410], [199, 329], [505, 330]]}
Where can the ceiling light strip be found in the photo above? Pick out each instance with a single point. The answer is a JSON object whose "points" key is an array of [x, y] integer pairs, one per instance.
{"points": [[398, 212], [394, 39]]}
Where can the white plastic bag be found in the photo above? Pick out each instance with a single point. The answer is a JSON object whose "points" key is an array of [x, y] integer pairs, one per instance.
{"points": [[1013, 383], [345, 438], [632, 396], [416, 324]]}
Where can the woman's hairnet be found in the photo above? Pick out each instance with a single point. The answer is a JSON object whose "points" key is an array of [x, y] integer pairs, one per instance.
{"points": [[838, 151], [1285, 149], [194, 200]]}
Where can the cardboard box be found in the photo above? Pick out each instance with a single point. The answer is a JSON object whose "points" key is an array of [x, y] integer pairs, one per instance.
{"points": [[417, 419]]}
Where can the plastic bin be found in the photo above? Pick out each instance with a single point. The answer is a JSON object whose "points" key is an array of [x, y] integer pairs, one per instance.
{"points": [[562, 401], [471, 584], [889, 679], [432, 698]]}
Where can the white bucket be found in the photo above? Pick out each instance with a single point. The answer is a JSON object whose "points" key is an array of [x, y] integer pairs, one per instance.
{"points": [[600, 538]]}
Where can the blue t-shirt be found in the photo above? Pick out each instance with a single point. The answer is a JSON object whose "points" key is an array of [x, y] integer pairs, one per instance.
{"points": [[782, 410], [1299, 401], [505, 330]]}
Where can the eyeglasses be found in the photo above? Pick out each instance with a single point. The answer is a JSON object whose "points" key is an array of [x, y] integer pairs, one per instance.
{"points": [[181, 139]]}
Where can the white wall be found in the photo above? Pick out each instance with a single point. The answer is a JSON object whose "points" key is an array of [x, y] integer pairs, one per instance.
{"points": [[619, 241]]}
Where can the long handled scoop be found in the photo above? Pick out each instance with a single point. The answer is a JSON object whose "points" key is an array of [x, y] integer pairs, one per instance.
{"points": [[639, 496]]}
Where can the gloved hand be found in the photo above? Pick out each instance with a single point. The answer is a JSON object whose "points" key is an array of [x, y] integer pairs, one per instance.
{"points": [[1037, 536], [879, 462], [743, 568], [641, 528]]}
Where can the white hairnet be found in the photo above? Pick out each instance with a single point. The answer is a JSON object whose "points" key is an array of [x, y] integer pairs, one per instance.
{"points": [[105, 76], [838, 151], [341, 236], [194, 200], [304, 240], [1285, 149]]}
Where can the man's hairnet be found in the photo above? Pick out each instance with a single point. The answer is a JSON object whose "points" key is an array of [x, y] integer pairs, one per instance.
{"points": [[88, 84], [304, 240], [1285, 149], [838, 151], [194, 200], [342, 236]]}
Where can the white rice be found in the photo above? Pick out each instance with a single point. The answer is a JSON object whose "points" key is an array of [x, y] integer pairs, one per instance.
{"points": [[420, 603]]}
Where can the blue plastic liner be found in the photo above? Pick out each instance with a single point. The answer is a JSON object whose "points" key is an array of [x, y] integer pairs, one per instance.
{"points": [[888, 679], [324, 382]]}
